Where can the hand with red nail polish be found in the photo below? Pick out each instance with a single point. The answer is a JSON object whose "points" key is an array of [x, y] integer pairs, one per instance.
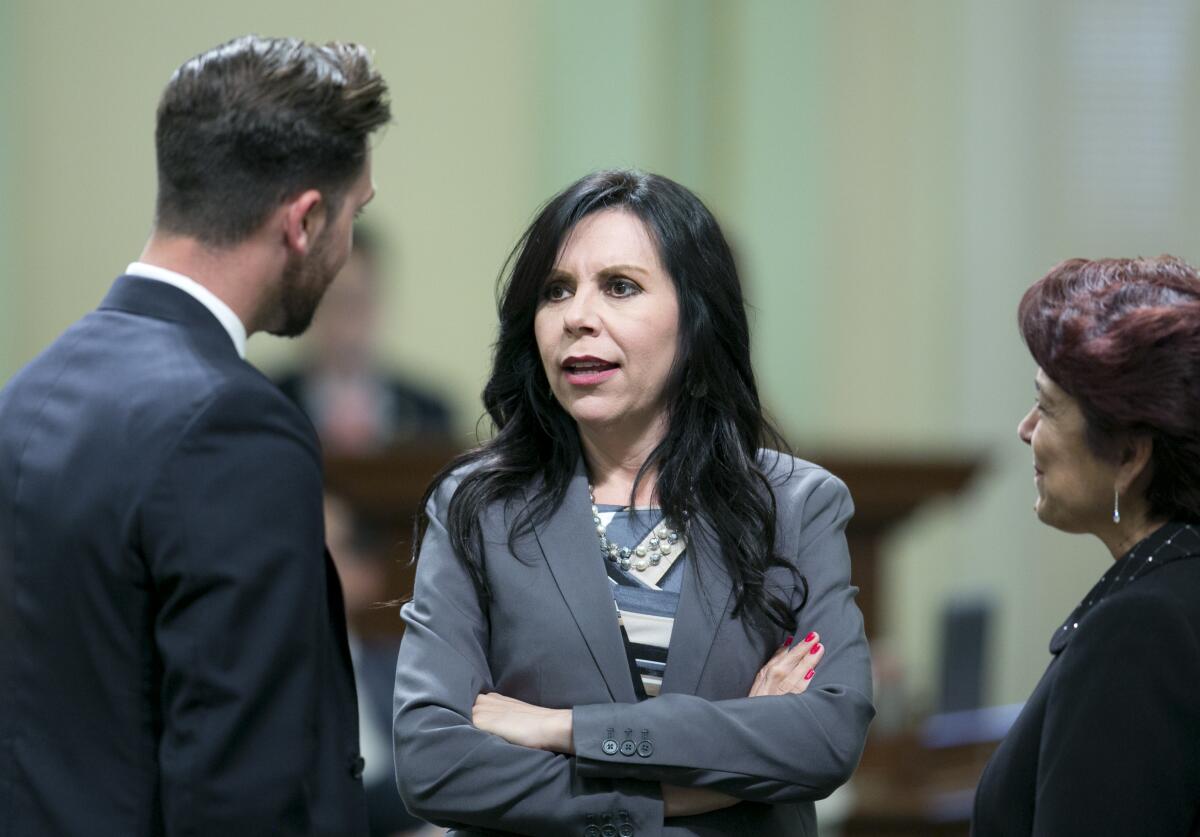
{"points": [[790, 669]]}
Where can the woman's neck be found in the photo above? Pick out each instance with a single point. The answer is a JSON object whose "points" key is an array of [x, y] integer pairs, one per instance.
{"points": [[1136, 525], [615, 455]]}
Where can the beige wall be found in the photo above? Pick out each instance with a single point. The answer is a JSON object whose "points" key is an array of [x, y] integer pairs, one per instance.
{"points": [[892, 174], [9, 154]]}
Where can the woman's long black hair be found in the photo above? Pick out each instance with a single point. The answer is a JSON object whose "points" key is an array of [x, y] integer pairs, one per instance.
{"points": [[708, 466]]}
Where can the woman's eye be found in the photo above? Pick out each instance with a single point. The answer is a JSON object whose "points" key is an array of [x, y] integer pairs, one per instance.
{"points": [[555, 292], [622, 287]]}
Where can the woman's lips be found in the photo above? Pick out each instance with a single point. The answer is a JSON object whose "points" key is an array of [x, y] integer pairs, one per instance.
{"points": [[584, 379], [588, 371]]}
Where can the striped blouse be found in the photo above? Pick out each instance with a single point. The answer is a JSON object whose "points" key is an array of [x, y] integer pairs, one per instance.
{"points": [[646, 600]]}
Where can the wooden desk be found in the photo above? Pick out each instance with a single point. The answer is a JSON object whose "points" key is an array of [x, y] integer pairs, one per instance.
{"points": [[386, 490], [886, 490], [905, 789]]}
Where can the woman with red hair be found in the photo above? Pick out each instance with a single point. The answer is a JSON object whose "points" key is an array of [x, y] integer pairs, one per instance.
{"points": [[1109, 741]]}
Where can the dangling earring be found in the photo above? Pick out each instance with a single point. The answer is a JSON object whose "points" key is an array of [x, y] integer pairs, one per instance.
{"points": [[1116, 506]]}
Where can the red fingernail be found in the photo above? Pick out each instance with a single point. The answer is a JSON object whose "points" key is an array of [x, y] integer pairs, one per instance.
{"points": [[811, 672], [816, 647], [788, 641], [811, 636]]}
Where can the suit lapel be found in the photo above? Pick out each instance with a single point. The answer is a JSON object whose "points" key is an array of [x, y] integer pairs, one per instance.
{"points": [[572, 551], [704, 601]]}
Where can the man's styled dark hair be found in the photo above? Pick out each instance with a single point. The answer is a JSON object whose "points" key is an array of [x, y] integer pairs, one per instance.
{"points": [[252, 122], [709, 469]]}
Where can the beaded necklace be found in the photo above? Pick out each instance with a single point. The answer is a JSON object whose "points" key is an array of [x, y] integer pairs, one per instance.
{"points": [[649, 553]]}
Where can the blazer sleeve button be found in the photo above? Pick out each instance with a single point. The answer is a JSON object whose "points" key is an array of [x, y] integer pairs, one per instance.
{"points": [[592, 831], [609, 746], [645, 749], [628, 748], [609, 830]]}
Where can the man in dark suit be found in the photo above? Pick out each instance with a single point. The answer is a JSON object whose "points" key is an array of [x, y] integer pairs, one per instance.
{"points": [[173, 653]]}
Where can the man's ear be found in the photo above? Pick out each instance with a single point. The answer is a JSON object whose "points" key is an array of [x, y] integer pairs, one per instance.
{"points": [[304, 217]]}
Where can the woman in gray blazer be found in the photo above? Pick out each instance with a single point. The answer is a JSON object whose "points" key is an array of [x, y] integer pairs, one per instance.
{"points": [[600, 641]]}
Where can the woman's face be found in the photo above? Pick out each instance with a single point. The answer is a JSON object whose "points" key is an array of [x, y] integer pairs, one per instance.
{"points": [[1074, 486], [608, 323]]}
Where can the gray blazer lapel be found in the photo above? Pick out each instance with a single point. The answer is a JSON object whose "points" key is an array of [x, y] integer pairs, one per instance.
{"points": [[704, 602], [569, 543]]}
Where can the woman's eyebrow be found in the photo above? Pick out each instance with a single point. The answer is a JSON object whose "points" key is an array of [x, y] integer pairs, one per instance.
{"points": [[623, 268]]}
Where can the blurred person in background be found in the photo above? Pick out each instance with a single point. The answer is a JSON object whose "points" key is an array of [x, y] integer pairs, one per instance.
{"points": [[1109, 741], [604, 637], [359, 553], [173, 655], [358, 406]]}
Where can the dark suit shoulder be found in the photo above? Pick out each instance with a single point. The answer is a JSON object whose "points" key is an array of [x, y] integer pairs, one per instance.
{"points": [[253, 396], [1167, 598], [146, 365], [249, 387], [136, 385], [188, 386], [1176, 585]]}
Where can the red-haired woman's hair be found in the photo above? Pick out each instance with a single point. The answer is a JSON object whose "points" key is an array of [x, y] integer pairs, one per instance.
{"points": [[1122, 337]]}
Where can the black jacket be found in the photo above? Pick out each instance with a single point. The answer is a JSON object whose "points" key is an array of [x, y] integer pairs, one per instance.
{"points": [[173, 656], [1109, 742]]}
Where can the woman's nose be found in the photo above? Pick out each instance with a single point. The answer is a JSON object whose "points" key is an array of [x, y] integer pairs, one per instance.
{"points": [[1026, 425], [580, 314]]}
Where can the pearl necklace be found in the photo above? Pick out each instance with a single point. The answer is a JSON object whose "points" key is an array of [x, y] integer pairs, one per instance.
{"points": [[648, 554]]}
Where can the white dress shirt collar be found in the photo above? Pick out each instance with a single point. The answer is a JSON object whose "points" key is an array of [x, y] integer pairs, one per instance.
{"points": [[224, 314]]}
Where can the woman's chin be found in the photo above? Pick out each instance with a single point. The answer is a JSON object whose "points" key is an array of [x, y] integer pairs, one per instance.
{"points": [[1044, 512], [1055, 518], [593, 416]]}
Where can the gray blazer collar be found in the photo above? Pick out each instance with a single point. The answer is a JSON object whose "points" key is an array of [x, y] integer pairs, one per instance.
{"points": [[571, 549]]}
